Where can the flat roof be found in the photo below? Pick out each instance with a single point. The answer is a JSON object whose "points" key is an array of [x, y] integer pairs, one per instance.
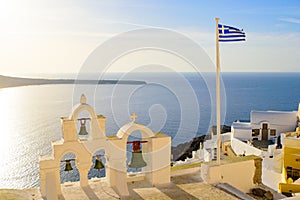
{"points": [[241, 125]]}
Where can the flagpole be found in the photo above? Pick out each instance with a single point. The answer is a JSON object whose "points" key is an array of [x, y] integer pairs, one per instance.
{"points": [[218, 99]]}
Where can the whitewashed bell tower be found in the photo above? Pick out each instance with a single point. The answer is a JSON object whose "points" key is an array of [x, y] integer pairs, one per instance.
{"points": [[156, 151]]}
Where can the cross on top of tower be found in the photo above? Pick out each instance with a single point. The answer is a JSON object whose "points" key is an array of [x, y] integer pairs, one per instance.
{"points": [[133, 117], [83, 99]]}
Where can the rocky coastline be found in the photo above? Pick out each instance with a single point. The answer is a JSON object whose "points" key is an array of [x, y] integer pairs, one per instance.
{"points": [[184, 150]]}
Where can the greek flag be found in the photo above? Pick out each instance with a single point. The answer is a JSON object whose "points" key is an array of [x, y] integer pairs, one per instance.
{"points": [[230, 34]]}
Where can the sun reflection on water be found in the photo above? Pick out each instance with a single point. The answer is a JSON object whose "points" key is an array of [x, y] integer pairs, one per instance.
{"points": [[29, 121], [9, 107]]}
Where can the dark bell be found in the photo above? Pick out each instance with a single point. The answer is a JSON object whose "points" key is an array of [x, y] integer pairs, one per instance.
{"points": [[68, 166], [83, 130], [98, 164], [137, 160]]}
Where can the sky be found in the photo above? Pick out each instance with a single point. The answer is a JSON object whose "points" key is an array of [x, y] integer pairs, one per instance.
{"points": [[49, 36]]}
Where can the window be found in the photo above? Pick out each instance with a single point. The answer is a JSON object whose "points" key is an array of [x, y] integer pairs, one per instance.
{"points": [[273, 132], [292, 173], [255, 132]]}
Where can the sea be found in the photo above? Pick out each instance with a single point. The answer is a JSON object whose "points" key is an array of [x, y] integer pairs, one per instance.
{"points": [[181, 105]]}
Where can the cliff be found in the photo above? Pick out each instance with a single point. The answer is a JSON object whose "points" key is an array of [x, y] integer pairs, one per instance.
{"points": [[184, 150]]}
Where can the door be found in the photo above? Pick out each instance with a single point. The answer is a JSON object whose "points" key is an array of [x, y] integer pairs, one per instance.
{"points": [[264, 132]]}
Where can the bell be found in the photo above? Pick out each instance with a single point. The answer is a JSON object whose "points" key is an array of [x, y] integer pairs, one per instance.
{"points": [[98, 164], [82, 128], [68, 165], [137, 160]]}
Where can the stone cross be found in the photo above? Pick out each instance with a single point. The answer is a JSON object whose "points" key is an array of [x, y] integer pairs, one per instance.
{"points": [[133, 117]]}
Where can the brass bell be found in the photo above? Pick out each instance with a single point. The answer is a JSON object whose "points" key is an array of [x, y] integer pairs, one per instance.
{"points": [[98, 164], [68, 165], [137, 160], [82, 127]]}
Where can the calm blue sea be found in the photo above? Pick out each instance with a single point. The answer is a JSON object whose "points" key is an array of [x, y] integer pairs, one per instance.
{"points": [[181, 105]]}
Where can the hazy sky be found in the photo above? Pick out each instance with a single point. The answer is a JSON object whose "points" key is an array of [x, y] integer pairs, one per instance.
{"points": [[48, 36]]}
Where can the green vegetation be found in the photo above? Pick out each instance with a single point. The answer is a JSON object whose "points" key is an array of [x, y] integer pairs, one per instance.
{"points": [[240, 158], [101, 116], [234, 159], [111, 136], [187, 166], [160, 135]]}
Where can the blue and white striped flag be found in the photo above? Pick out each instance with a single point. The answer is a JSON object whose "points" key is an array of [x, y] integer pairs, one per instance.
{"points": [[230, 34]]}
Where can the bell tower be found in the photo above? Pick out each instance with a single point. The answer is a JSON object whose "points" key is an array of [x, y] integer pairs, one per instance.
{"points": [[152, 153]]}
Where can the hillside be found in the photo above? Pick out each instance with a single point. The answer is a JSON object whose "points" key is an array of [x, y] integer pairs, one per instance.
{"points": [[184, 150], [6, 81]]}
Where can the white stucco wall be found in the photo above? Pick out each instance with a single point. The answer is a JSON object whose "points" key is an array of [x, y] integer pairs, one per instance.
{"points": [[206, 156], [240, 148], [271, 172], [209, 144], [212, 143], [279, 120], [241, 130], [274, 117], [242, 134], [226, 137]]}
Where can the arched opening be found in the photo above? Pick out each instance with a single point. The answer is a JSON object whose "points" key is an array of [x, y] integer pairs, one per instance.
{"points": [[134, 152], [83, 125], [68, 169], [98, 169]]}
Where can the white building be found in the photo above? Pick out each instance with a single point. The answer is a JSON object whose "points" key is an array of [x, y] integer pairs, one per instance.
{"points": [[280, 166], [265, 125], [270, 125]]}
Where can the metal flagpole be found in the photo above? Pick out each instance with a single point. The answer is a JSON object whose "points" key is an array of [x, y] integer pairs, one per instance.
{"points": [[218, 99]]}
